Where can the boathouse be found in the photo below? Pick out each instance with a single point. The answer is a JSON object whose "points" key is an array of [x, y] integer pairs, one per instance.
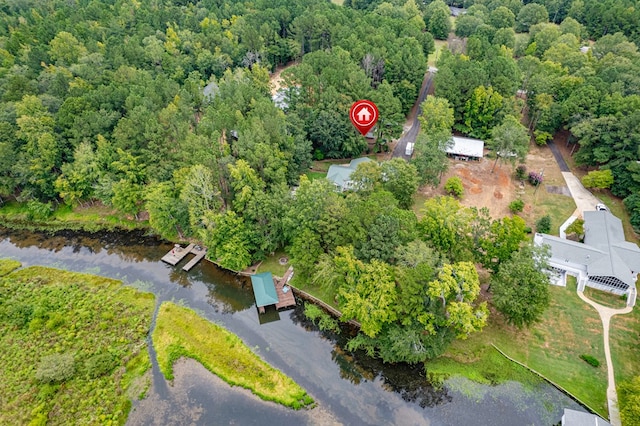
{"points": [[269, 290]]}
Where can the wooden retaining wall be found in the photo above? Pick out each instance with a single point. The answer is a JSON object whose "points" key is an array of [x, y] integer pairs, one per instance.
{"points": [[333, 311]]}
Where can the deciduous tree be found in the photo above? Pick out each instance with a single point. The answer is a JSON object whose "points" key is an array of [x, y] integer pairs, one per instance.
{"points": [[521, 287]]}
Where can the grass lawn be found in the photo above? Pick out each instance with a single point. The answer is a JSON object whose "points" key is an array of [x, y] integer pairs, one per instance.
{"points": [[72, 347], [542, 203], [181, 332], [272, 264], [418, 203], [433, 58], [316, 175], [624, 339], [552, 347], [605, 298]]}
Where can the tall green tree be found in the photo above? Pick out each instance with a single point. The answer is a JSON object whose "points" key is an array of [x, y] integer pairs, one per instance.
{"points": [[521, 287], [509, 140]]}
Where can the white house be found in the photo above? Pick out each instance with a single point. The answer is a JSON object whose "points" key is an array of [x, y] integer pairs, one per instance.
{"points": [[605, 261]]}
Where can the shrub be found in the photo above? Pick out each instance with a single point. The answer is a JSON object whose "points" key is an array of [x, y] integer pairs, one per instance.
{"points": [[521, 172], [324, 320], [577, 227], [99, 365], [516, 206], [535, 178], [543, 225], [590, 360], [528, 230], [454, 186], [598, 179], [542, 137], [56, 368], [38, 211]]}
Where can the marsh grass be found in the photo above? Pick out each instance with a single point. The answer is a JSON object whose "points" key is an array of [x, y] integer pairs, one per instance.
{"points": [[44, 312], [180, 332], [8, 265]]}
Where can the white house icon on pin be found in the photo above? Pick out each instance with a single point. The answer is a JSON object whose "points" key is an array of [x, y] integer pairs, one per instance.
{"points": [[364, 115]]}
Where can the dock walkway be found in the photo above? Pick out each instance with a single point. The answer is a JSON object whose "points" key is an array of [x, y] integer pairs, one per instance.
{"points": [[285, 299], [178, 253], [199, 252]]}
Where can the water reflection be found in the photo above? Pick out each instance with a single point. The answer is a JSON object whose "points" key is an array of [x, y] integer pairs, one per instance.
{"points": [[350, 388]]}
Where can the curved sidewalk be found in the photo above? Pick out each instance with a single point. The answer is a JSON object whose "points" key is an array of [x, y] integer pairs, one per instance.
{"points": [[605, 316]]}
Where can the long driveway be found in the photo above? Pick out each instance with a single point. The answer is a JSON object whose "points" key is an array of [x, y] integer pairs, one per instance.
{"points": [[585, 200], [411, 134], [605, 316]]}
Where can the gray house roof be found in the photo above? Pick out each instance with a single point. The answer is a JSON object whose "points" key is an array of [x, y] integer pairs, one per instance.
{"points": [[604, 252], [341, 175], [580, 418]]}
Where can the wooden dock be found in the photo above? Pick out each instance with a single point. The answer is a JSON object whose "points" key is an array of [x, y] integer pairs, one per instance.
{"points": [[199, 252], [285, 299], [178, 253]]}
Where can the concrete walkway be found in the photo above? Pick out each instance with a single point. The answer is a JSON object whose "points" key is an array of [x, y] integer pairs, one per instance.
{"points": [[605, 315]]}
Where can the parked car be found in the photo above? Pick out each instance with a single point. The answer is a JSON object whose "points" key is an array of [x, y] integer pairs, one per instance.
{"points": [[601, 207], [409, 149]]}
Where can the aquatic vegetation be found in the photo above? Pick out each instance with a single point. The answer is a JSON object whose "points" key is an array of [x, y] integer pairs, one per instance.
{"points": [[180, 332], [71, 346]]}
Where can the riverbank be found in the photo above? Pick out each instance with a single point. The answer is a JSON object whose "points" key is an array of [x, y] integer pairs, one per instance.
{"points": [[61, 359], [350, 387], [14, 215], [180, 332]]}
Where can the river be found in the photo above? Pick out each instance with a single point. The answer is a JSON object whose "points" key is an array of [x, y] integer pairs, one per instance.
{"points": [[349, 389]]}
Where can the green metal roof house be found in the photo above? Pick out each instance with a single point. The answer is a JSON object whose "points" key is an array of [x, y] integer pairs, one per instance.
{"points": [[341, 175], [263, 289]]}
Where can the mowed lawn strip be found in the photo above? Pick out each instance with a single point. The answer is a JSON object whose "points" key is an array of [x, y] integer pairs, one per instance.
{"points": [[94, 322], [181, 332], [624, 340], [570, 328]]}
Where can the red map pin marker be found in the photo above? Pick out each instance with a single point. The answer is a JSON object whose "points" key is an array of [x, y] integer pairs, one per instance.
{"points": [[364, 115]]}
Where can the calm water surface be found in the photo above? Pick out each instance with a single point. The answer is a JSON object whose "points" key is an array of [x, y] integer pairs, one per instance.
{"points": [[350, 389]]}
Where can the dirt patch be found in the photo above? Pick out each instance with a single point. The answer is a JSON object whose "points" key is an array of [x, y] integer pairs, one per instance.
{"points": [[482, 188], [276, 80]]}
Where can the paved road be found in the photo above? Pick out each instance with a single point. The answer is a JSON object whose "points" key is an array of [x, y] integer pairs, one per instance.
{"points": [[412, 133], [556, 153], [605, 315]]}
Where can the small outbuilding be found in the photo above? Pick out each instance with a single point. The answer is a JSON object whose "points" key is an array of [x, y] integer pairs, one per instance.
{"points": [[465, 148], [264, 290]]}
